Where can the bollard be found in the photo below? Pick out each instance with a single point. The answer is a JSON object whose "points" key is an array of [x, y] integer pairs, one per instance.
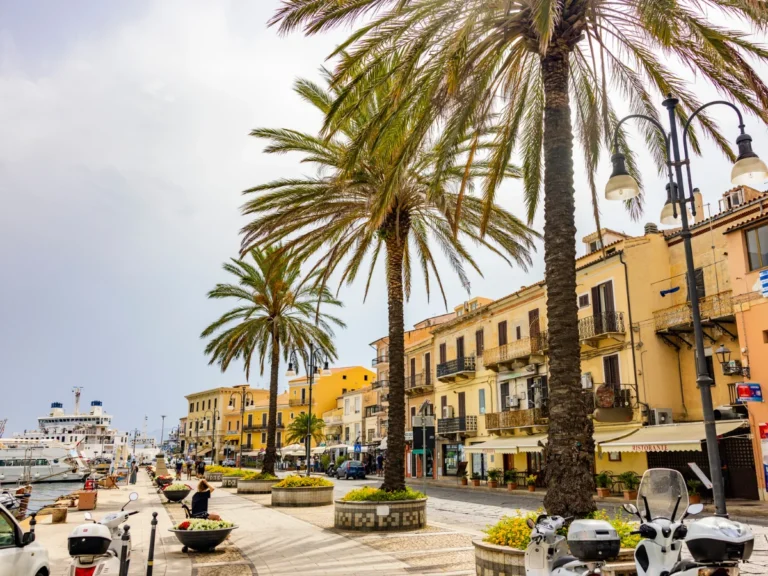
{"points": [[151, 555], [124, 551], [32, 521]]}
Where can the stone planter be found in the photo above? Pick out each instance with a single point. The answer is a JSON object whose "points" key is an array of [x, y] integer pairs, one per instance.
{"points": [[255, 486], [497, 560], [317, 496], [229, 481], [603, 492], [393, 516], [511, 485], [213, 476]]}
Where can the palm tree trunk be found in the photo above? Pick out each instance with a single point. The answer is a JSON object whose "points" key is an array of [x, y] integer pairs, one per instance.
{"points": [[271, 456], [570, 483], [394, 475]]}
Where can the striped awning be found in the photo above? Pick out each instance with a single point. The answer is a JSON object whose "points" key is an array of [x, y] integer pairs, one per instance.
{"points": [[536, 442], [670, 437]]}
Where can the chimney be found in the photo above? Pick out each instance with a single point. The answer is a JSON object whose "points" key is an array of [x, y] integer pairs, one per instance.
{"points": [[698, 201], [651, 228]]}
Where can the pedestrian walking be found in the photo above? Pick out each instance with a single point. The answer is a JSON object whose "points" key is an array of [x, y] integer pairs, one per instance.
{"points": [[179, 464], [189, 468], [134, 472], [379, 465], [201, 468]]}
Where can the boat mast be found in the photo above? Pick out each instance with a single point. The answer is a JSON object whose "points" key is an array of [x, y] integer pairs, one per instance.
{"points": [[77, 390]]}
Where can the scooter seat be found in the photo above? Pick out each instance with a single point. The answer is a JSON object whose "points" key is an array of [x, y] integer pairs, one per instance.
{"points": [[562, 561], [682, 566]]}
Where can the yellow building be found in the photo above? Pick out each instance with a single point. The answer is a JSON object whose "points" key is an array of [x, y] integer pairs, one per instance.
{"points": [[205, 421]]}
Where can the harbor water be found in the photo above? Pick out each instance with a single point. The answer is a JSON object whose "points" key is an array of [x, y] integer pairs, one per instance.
{"points": [[46, 493]]}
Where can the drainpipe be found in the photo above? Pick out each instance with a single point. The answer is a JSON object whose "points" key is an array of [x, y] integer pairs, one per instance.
{"points": [[631, 329], [680, 374]]}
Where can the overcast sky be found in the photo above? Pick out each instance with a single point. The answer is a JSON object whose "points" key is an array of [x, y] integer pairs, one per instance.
{"points": [[123, 151]]}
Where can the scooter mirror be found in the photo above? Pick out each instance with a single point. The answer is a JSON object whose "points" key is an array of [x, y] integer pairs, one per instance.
{"points": [[694, 509], [631, 508], [531, 524], [134, 496], [88, 516]]}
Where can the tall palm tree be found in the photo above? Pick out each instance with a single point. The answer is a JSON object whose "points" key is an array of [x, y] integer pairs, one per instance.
{"points": [[531, 68], [296, 433], [277, 310], [345, 217]]}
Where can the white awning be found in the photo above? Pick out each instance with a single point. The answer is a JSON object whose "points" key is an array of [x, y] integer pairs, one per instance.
{"points": [[338, 447], [319, 450], [509, 445], [669, 437]]}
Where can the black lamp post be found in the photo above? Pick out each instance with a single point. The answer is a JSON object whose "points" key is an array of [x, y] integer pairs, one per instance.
{"points": [[216, 416], [316, 356], [246, 398], [748, 169]]}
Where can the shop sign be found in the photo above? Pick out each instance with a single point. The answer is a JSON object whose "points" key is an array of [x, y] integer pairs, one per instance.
{"points": [[763, 428], [649, 448], [749, 392]]}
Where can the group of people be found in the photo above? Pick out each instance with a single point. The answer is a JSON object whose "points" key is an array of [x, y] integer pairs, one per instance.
{"points": [[191, 465]]}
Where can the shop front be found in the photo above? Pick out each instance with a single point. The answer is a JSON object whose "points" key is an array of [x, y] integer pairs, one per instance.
{"points": [[452, 455]]}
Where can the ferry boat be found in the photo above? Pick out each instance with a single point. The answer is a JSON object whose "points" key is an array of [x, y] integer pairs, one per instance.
{"points": [[24, 461], [90, 433]]}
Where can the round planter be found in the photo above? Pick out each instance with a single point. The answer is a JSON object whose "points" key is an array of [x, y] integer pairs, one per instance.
{"points": [[493, 559], [317, 496], [201, 540], [176, 495], [511, 485], [255, 486], [399, 515], [213, 476], [531, 488], [229, 481]]}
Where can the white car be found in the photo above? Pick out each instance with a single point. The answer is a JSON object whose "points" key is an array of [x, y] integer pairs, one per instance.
{"points": [[20, 555]]}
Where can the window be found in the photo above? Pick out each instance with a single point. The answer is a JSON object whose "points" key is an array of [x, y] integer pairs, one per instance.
{"points": [[427, 369], [229, 425], [263, 437], [518, 332], [291, 415], [346, 434], [279, 418], [264, 419], [479, 342], [346, 406], [757, 247], [250, 420], [595, 245], [279, 439], [209, 403], [248, 440], [443, 354], [365, 377], [583, 300], [215, 402], [614, 456], [460, 347], [7, 532], [191, 406], [238, 425], [481, 400], [698, 276], [413, 415], [197, 406], [765, 336], [357, 404], [502, 333]]}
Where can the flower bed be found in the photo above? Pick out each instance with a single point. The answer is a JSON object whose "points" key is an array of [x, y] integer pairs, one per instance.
{"points": [[256, 483], [373, 510], [302, 491]]}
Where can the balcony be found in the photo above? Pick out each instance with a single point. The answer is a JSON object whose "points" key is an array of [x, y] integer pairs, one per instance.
{"points": [[517, 352], [379, 360], [373, 410], [300, 402], [379, 384], [603, 326], [461, 368], [259, 427], [610, 402], [466, 425], [418, 383], [517, 418], [678, 318]]}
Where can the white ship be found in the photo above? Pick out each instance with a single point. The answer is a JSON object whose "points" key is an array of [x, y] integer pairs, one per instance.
{"points": [[24, 461], [91, 434]]}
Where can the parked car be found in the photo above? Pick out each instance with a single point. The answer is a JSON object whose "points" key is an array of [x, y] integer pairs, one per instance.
{"points": [[20, 555], [228, 463], [351, 469]]}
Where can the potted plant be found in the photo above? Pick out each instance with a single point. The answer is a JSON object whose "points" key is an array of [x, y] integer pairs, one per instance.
{"points": [[476, 479], [531, 481], [693, 491], [631, 481], [464, 479], [202, 535], [493, 477], [510, 477], [177, 491], [604, 482]]}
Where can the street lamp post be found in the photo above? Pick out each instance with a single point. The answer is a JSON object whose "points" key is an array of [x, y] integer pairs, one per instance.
{"points": [[315, 357], [135, 435], [162, 431], [748, 169], [216, 415], [244, 398]]}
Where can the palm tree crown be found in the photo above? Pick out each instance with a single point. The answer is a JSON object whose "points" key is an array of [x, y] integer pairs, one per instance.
{"points": [[367, 200], [296, 433], [276, 311]]}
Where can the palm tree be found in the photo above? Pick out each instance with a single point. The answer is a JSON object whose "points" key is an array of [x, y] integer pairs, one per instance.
{"points": [[296, 433], [530, 68], [344, 218], [276, 311]]}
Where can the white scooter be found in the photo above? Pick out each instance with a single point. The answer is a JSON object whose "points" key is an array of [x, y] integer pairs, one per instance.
{"points": [[716, 544], [96, 547], [592, 541]]}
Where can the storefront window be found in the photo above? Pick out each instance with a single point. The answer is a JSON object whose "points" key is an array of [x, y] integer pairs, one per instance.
{"points": [[452, 455], [478, 464]]}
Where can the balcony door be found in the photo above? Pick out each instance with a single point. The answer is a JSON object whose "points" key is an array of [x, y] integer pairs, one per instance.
{"points": [[413, 371], [534, 329], [427, 369], [443, 354], [303, 395], [503, 396], [462, 404], [603, 308], [264, 419], [250, 420], [460, 349]]}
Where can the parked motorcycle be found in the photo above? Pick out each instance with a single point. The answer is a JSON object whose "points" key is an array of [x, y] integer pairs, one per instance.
{"points": [[592, 543], [96, 547], [716, 544]]}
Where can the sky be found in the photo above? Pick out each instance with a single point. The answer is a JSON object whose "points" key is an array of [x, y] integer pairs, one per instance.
{"points": [[123, 153]]}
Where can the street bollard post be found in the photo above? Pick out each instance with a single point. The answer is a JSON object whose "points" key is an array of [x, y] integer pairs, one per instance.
{"points": [[124, 551], [151, 555]]}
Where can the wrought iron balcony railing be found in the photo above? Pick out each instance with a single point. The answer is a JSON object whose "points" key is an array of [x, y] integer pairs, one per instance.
{"points": [[601, 324], [301, 401], [711, 307], [517, 418], [455, 367], [512, 351], [373, 410], [457, 425], [379, 384], [383, 359], [416, 381]]}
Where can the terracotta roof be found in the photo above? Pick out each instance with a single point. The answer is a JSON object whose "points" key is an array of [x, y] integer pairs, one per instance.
{"points": [[604, 231], [693, 226], [746, 223]]}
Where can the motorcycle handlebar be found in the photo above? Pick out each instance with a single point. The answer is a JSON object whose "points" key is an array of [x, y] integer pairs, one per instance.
{"points": [[132, 512], [634, 532]]}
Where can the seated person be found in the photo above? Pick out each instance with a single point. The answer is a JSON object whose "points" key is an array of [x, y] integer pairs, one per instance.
{"points": [[200, 502]]}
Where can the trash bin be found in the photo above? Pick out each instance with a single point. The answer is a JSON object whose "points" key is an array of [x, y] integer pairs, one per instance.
{"points": [[86, 500]]}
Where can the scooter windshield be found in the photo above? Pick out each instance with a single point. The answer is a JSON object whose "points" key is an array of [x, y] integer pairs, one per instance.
{"points": [[662, 492]]}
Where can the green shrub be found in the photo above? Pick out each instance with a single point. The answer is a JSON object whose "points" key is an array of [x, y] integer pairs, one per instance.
{"points": [[603, 480], [630, 480], [369, 494], [340, 460], [693, 486], [510, 476], [494, 474], [258, 476], [294, 481], [325, 461], [531, 480], [476, 476]]}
